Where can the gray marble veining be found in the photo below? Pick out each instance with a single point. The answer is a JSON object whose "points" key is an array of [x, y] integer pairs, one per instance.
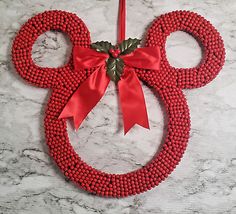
{"points": [[205, 180]]}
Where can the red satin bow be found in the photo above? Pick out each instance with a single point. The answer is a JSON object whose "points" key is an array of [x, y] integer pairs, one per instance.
{"points": [[93, 88]]}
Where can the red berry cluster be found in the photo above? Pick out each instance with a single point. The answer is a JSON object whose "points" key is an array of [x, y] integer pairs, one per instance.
{"points": [[168, 82], [114, 52]]}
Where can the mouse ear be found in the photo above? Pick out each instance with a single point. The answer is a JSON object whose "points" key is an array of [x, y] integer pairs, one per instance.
{"points": [[204, 32], [22, 46]]}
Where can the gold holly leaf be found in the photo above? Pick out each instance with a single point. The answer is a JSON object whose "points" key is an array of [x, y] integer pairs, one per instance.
{"points": [[115, 68], [128, 46], [102, 46]]}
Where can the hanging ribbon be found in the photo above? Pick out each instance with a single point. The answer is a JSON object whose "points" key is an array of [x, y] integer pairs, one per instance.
{"points": [[121, 21]]}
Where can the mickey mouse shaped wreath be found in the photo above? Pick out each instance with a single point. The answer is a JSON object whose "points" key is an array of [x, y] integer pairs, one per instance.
{"points": [[164, 79]]}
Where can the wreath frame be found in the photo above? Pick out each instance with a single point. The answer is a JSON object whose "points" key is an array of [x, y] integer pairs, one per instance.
{"points": [[168, 82]]}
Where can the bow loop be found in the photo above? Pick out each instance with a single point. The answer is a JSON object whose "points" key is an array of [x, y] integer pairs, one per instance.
{"points": [[88, 58], [145, 58]]}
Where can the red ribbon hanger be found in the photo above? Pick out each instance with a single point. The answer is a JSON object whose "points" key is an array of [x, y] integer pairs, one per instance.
{"points": [[122, 20], [130, 90]]}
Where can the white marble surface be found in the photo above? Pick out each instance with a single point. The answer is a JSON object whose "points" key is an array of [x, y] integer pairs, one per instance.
{"points": [[205, 180]]}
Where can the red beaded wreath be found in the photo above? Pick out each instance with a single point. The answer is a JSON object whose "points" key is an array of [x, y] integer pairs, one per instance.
{"points": [[168, 82]]}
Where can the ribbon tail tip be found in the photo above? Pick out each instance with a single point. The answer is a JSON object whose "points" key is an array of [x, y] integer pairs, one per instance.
{"points": [[76, 123], [63, 115], [127, 129], [146, 126], [60, 116], [76, 127]]}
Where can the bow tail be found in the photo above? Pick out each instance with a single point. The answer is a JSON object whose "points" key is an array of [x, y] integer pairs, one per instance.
{"points": [[86, 96], [132, 100]]}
